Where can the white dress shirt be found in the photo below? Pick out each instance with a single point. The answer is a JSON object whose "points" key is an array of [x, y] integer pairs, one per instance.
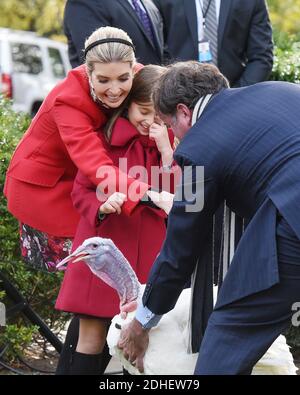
{"points": [[199, 7]]}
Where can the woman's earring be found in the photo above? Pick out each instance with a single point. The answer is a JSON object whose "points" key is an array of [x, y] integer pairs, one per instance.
{"points": [[92, 90], [94, 96]]}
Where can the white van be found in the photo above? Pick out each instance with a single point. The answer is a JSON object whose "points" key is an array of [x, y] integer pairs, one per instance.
{"points": [[30, 66]]}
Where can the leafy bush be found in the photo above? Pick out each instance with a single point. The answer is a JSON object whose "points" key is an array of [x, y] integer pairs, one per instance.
{"points": [[287, 63], [12, 127], [40, 289], [17, 338]]}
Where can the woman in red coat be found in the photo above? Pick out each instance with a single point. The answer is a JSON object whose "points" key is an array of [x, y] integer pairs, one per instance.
{"points": [[61, 139], [144, 144]]}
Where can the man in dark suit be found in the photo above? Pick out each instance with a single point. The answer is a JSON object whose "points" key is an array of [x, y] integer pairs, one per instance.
{"points": [[248, 141], [244, 35], [243, 51], [82, 17]]}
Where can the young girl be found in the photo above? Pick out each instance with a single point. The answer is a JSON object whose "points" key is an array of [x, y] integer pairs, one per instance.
{"points": [[143, 140]]}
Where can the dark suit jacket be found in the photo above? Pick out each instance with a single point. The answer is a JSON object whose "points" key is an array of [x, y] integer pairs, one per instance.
{"points": [[244, 37], [82, 17], [248, 140]]}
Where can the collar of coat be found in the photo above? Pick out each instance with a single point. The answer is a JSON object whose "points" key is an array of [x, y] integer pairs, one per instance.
{"points": [[200, 106]]}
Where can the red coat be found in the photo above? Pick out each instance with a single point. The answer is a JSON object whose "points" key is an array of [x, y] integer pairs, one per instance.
{"points": [[139, 236], [60, 140]]}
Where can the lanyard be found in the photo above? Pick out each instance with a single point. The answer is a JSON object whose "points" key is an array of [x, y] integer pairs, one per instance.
{"points": [[204, 13]]}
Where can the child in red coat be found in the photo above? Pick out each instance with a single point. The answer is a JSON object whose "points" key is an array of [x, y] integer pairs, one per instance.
{"points": [[144, 145]]}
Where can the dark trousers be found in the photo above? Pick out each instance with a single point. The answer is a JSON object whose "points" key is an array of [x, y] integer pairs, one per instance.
{"points": [[240, 333]]}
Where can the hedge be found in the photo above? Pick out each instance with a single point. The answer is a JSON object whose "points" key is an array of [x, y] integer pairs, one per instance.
{"points": [[287, 64], [40, 289]]}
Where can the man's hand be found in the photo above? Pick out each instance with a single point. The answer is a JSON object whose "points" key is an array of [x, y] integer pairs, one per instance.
{"points": [[134, 342]]}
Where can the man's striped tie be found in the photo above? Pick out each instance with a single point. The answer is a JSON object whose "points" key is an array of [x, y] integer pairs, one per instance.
{"points": [[144, 18], [211, 28]]}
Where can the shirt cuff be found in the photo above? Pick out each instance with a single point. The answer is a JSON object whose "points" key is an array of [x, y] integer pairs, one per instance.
{"points": [[146, 318]]}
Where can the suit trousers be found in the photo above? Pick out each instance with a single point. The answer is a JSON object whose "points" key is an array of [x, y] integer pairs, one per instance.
{"points": [[240, 333]]}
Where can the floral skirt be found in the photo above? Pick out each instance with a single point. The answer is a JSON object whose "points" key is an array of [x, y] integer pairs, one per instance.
{"points": [[43, 251]]}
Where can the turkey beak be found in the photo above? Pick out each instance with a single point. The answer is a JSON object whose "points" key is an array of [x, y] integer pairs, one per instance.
{"points": [[80, 253]]}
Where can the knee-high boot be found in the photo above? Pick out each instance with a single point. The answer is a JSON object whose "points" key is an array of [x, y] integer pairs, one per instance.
{"points": [[66, 355], [85, 364], [69, 347], [106, 357], [89, 364]]}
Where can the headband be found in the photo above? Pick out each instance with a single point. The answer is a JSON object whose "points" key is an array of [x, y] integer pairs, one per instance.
{"points": [[108, 40]]}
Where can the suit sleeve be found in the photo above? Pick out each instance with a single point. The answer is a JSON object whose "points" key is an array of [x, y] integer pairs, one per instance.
{"points": [[185, 241], [166, 52], [90, 156], [81, 19], [259, 49]]}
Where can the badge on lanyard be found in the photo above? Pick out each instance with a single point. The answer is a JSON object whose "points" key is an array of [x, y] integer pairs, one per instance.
{"points": [[204, 51]]}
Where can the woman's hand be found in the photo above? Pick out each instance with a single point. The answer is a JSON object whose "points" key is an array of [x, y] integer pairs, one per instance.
{"points": [[128, 308], [113, 204], [159, 132], [163, 200]]}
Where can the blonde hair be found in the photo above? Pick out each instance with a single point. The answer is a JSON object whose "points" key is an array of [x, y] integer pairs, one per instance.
{"points": [[108, 52]]}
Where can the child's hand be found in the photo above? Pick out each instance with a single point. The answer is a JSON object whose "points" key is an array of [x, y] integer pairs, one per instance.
{"points": [[127, 308], [163, 200], [113, 204], [159, 132]]}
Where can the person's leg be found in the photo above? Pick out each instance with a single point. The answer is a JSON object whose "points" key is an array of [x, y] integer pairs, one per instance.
{"points": [[92, 335], [88, 359], [239, 334]]}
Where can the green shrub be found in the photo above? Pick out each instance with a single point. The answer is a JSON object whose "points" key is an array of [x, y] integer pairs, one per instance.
{"points": [[17, 338], [287, 63], [40, 289], [12, 127]]}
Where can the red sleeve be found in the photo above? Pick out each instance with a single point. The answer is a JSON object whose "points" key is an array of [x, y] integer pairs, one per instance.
{"points": [[89, 155], [85, 199]]}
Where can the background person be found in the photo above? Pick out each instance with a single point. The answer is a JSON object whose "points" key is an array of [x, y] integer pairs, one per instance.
{"points": [[239, 33], [140, 19]]}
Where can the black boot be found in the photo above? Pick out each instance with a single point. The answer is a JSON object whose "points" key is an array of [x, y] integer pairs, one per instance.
{"points": [[85, 364], [63, 366], [89, 364], [106, 357], [69, 347]]}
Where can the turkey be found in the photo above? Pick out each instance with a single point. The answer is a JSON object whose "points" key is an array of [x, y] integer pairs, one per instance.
{"points": [[168, 343]]}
